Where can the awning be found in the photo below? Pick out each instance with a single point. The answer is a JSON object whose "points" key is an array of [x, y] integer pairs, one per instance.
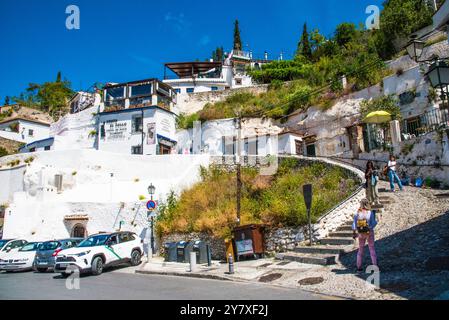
{"points": [[188, 69], [166, 141]]}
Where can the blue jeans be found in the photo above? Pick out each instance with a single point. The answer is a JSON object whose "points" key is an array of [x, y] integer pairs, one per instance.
{"points": [[394, 176]]}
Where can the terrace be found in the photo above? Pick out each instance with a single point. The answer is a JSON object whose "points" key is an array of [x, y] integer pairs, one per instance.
{"points": [[138, 94]]}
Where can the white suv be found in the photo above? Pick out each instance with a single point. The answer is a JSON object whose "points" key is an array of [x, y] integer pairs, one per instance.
{"points": [[100, 251]]}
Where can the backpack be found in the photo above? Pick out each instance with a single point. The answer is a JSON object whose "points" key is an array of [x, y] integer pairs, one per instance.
{"points": [[362, 225]]}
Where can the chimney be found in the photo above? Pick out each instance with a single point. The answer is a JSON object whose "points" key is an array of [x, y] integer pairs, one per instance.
{"points": [[266, 55], [281, 56]]}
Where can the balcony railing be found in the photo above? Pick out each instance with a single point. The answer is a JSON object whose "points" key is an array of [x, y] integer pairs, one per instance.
{"points": [[425, 123]]}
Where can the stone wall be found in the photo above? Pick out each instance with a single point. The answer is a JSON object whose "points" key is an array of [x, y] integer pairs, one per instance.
{"points": [[194, 102]]}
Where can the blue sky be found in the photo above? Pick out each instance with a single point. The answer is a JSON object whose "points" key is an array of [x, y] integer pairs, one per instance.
{"points": [[131, 40]]}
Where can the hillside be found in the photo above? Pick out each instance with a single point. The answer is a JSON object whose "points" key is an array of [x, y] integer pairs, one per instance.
{"points": [[210, 205]]}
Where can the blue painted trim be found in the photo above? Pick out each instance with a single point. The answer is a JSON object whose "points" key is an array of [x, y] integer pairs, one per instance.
{"points": [[135, 109], [36, 142]]}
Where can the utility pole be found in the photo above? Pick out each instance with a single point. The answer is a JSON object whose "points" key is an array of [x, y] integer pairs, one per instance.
{"points": [[239, 164]]}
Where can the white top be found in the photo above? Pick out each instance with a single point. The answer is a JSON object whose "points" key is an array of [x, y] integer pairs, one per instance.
{"points": [[392, 165]]}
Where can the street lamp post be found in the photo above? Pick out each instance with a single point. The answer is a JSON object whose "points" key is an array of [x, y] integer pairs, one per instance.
{"points": [[438, 73], [151, 191]]}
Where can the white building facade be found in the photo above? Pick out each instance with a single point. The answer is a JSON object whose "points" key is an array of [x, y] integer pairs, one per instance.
{"points": [[24, 130]]}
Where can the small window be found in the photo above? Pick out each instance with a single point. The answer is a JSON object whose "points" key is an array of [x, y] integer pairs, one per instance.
{"points": [[214, 88], [178, 91], [190, 90], [136, 150], [33, 149], [47, 148], [30, 132], [112, 240], [137, 124], [238, 82], [102, 131], [124, 237]]}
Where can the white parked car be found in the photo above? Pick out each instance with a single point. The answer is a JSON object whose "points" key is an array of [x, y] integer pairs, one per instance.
{"points": [[10, 245], [100, 251], [21, 259]]}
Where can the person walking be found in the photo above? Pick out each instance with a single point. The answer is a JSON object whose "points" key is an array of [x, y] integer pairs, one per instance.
{"points": [[363, 228], [392, 175], [372, 177]]}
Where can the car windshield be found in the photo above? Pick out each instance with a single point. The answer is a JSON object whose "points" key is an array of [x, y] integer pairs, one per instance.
{"points": [[50, 245], [33, 246], [2, 243], [94, 241]]}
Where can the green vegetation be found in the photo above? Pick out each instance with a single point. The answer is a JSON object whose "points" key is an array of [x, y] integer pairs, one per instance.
{"points": [[3, 152], [50, 97], [383, 103], [320, 63], [186, 121], [237, 38], [210, 206]]}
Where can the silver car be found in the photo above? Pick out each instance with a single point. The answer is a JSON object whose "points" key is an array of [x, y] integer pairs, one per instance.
{"points": [[47, 252]]}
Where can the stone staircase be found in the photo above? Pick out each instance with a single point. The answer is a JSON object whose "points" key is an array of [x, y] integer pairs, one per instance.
{"points": [[328, 250]]}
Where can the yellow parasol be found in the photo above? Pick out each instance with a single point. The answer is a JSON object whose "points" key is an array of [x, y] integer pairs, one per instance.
{"points": [[378, 117]]}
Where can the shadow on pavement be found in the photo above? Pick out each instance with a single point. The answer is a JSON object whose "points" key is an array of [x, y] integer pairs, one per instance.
{"points": [[414, 263]]}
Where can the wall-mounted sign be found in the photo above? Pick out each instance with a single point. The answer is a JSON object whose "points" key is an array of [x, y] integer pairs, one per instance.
{"points": [[165, 126], [151, 133], [116, 130]]}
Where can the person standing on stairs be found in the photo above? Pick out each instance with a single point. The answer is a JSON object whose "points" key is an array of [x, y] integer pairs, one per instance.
{"points": [[372, 177], [363, 228], [392, 175]]}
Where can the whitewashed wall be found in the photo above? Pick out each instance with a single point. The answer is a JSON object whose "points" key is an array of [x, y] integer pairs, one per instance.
{"points": [[11, 181], [165, 126], [37, 209], [72, 131], [40, 131]]}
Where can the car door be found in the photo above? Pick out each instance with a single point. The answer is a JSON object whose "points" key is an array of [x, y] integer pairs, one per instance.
{"points": [[125, 240], [113, 250]]}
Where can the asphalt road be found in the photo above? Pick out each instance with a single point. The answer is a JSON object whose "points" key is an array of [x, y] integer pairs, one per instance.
{"points": [[114, 285]]}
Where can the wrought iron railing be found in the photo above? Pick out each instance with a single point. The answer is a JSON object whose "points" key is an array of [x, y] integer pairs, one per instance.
{"points": [[425, 123]]}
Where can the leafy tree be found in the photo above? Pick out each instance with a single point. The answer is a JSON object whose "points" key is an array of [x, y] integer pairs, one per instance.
{"points": [[7, 101], [50, 97], [58, 77], [399, 19], [304, 47], [218, 54], [237, 38], [383, 103], [345, 33]]}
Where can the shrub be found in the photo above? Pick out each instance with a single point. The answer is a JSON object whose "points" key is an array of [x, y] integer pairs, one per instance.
{"points": [[3, 152], [210, 205]]}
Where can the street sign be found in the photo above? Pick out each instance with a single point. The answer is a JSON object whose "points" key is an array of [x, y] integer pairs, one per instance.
{"points": [[151, 205], [307, 192], [151, 214]]}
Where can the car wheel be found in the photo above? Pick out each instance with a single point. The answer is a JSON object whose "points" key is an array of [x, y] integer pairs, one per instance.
{"points": [[41, 269], [97, 266], [135, 258]]}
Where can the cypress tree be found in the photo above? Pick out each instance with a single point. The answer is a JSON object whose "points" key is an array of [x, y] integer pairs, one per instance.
{"points": [[237, 39], [304, 47]]}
